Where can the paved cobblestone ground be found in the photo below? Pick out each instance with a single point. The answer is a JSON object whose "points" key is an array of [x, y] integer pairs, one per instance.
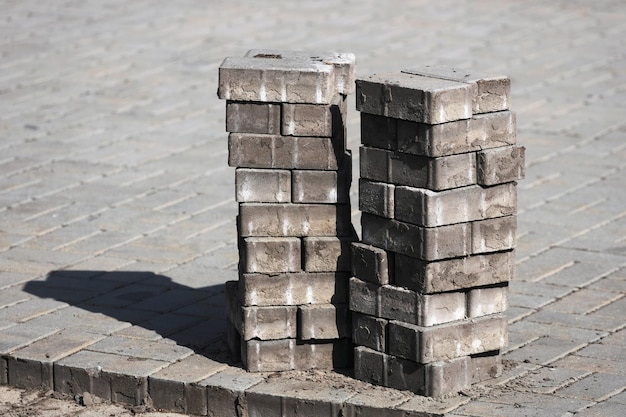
{"points": [[117, 207]]}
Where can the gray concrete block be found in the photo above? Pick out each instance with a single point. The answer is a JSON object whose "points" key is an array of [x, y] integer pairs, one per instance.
{"points": [[243, 117], [369, 331], [31, 366], [490, 92], [375, 164], [397, 303], [268, 323], [493, 235], [379, 131], [263, 185], [276, 80], [447, 377], [327, 254], [294, 220], [314, 119], [500, 165], [376, 198], [344, 64], [289, 397], [271, 254], [323, 321], [437, 174], [224, 392], [437, 208], [370, 366], [406, 375], [372, 264], [454, 274], [364, 297], [112, 377], [281, 152], [482, 131], [293, 289], [485, 366], [290, 354], [412, 97], [419, 242], [433, 309], [487, 300], [426, 344], [169, 387], [314, 186]]}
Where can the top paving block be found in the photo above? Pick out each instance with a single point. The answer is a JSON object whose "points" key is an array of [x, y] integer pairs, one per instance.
{"points": [[414, 97], [344, 63], [489, 92], [286, 76]]}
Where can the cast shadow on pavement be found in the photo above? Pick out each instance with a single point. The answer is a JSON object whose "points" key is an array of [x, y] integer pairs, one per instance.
{"points": [[155, 306]]}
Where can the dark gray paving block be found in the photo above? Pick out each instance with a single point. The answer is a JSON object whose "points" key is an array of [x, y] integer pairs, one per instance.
{"points": [[550, 404], [286, 395], [31, 366], [168, 387], [111, 377], [126, 296], [596, 387], [223, 392]]}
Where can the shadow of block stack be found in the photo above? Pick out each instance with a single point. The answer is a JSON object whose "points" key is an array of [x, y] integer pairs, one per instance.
{"points": [[437, 191], [285, 112]]}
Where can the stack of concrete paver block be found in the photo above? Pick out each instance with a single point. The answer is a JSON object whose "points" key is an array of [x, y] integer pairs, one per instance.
{"points": [[285, 112], [439, 165]]}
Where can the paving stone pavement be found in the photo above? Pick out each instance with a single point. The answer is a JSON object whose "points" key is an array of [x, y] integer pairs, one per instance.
{"points": [[117, 205]]}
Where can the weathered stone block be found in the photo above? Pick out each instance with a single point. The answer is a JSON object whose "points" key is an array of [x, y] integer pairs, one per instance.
{"points": [[376, 198], [258, 219], [379, 131], [273, 79], [426, 344], [454, 274], [243, 117], [493, 235], [413, 97], [344, 63], [371, 264], [487, 300], [500, 165], [419, 242], [328, 187], [293, 289], [323, 321], [262, 185], [275, 151], [490, 92], [271, 254], [327, 254], [369, 331]]}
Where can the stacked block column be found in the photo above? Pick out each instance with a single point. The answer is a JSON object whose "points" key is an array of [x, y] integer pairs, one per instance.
{"points": [[439, 165], [285, 112]]}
